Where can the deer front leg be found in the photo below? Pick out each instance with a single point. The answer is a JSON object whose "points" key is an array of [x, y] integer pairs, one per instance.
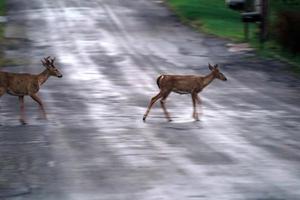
{"points": [[38, 100], [195, 113], [22, 117], [162, 103], [153, 100], [199, 101], [2, 91]]}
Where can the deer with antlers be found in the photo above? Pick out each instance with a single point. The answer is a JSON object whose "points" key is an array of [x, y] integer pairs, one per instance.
{"points": [[21, 84], [184, 84]]}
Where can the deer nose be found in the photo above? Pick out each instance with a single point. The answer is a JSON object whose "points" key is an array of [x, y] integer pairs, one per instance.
{"points": [[60, 76]]}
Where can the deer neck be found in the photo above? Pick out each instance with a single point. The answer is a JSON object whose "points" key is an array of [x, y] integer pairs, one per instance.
{"points": [[208, 79], [43, 77]]}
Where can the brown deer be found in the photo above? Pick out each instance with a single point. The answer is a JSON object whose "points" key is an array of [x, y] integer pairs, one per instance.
{"points": [[183, 84], [21, 84]]}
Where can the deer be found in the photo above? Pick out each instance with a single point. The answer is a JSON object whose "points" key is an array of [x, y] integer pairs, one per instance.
{"points": [[24, 84], [183, 84]]}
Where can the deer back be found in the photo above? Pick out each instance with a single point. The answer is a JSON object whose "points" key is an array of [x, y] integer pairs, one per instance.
{"points": [[181, 84]]}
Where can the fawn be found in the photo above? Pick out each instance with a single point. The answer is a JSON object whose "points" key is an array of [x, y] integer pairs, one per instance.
{"points": [[183, 84]]}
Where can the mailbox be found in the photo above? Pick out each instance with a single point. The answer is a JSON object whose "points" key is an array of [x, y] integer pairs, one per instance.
{"points": [[251, 17], [238, 5]]}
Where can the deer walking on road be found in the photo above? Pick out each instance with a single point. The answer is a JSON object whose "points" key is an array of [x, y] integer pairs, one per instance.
{"points": [[21, 84], [183, 84]]}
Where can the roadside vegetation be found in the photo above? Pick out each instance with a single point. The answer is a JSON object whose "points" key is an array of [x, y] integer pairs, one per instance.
{"points": [[2, 7], [214, 17], [2, 13], [4, 43]]}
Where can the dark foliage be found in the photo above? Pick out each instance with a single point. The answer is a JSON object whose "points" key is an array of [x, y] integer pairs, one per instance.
{"points": [[287, 30]]}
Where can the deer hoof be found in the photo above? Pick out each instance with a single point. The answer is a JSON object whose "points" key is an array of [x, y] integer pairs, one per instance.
{"points": [[144, 119], [41, 118], [196, 118], [23, 122]]}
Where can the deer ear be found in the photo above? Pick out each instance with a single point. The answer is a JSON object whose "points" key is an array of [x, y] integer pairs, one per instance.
{"points": [[210, 67], [52, 60], [216, 66]]}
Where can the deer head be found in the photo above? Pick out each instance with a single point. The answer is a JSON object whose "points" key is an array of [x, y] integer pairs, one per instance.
{"points": [[216, 72], [49, 64]]}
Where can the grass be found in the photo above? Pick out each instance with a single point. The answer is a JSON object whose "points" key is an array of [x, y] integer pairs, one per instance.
{"points": [[5, 43], [2, 7], [211, 16], [214, 17]]}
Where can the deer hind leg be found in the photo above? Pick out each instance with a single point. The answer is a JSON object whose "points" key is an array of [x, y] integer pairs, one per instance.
{"points": [[38, 100], [162, 103], [22, 117], [195, 100], [153, 100]]}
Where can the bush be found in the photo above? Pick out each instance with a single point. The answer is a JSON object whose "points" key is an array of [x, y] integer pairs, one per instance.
{"points": [[287, 30]]}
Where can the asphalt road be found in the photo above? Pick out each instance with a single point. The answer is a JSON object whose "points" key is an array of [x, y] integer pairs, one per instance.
{"points": [[94, 146]]}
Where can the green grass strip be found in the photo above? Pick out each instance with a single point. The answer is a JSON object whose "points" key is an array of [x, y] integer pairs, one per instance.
{"points": [[214, 17], [2, 7], [211, 16]]}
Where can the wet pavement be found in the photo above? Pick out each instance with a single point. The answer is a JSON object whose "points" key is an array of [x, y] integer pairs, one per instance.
{"points": [[95, 146]]}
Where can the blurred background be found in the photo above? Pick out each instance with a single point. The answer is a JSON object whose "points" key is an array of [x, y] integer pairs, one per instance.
{"points": [[94, 144]]}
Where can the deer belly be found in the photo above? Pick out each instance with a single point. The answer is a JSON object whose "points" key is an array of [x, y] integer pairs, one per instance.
{"points": [[180, 91], [19, 88], [16, 93]]}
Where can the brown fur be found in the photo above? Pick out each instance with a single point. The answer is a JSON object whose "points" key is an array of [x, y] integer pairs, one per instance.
{"points": [[19, 84], [22, 84], [183, 84]]}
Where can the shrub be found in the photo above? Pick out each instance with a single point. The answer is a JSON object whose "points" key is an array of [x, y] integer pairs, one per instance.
{"points": [[287, 30]]}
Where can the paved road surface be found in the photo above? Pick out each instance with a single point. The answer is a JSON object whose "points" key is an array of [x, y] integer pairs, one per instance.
{"points": [[95, 146]]}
